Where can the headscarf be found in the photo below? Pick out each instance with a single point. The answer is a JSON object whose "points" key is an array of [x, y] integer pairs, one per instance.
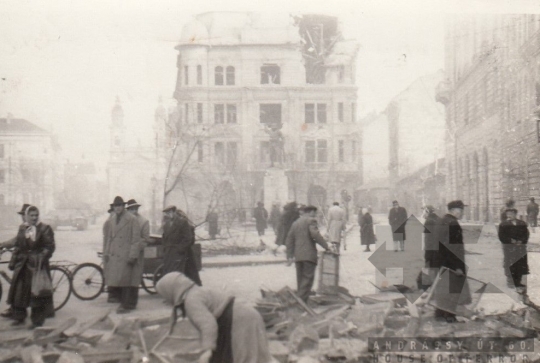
{"points": [[31, 230]]}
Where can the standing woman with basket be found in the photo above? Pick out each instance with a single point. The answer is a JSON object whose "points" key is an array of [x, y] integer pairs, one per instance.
{"points": [[30, 265]]}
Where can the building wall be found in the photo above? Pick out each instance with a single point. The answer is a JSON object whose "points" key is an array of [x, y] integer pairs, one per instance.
{"points": [[247, 94], [490, 94]]}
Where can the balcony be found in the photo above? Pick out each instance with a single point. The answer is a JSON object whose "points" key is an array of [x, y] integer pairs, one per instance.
{"points": [[442, 92]]}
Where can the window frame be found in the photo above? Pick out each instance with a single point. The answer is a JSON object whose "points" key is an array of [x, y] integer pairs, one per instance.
{"points": [[200, 114], [230, 113], [199, 75], [341, 151], [266, 74], [219, 77], [186, 75], [230, 76], [217, 113], [341, 113]]}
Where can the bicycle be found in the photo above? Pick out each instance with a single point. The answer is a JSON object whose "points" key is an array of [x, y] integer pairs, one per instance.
{"points": [[88, 281], [60, 278]]}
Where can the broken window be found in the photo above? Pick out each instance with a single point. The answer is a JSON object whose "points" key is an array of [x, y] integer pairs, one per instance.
{"points": [[218, 76], [199, 113], [270, 113], [231, 114], [199, 75], [270, 74], [341, 151], [230, 76], [232, 152], [340, 112], [219, 152], [200, 152], [186, 75], [310, 151], [219, 113], [315, 112], [322, 151]]}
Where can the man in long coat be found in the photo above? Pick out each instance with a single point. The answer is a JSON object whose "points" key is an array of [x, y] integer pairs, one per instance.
{"points": [[367, 234], [133, 207], [510, 203], [301, 245], [121, 252], [432, 227], [336, 224], [452, 289], [261, 216], [532, 213], [289, 216], [275, 215], [178, 239], [397, 217], [213, 219], [514, 235]]}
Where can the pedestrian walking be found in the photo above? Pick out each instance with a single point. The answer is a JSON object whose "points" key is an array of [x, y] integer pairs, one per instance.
{"points": [[274, 218], [337, 223], [452, 290], [301, 245], [34, 247], [367, 234], [121, 252], [289, 216], [514, 235], [230, 331], [178, 239], [397, 217], [261, 216], [510, 203], [432, 230], [213, 220], [8, 313], [532, 213]]}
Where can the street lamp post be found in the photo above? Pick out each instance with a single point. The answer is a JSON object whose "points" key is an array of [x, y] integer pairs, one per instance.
{"points": [[154, 221]]}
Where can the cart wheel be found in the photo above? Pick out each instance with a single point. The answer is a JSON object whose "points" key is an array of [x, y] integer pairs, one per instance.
{"points": [[61, 283], [149, 281], [87, 280]]}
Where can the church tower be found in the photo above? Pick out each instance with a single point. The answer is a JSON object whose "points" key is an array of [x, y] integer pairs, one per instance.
{"points": [[118, 131]]}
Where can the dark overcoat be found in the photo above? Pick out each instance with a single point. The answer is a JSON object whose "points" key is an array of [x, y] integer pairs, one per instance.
{"points": [[532, 209], [178, 240], [25, 259], [302, 240], [397, 218], [261, 216], [212, 220], [367, 235], [432, 228], [515, 256], [452, 290], [289, 216]]}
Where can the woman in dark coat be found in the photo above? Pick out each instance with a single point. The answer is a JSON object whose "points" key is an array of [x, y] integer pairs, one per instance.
{"points": [[178, 238], [35, 244], [367, 235], [290, 214]]}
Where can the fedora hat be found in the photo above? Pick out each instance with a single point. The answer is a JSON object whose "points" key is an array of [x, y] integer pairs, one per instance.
{"points": [[132, 203], [456, 204], [23, 209], [118, 201], [111, 208], [171, 208]]}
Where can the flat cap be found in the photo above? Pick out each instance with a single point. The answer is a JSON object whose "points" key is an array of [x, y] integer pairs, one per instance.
{"points": [[171, 208], [456, 204]]}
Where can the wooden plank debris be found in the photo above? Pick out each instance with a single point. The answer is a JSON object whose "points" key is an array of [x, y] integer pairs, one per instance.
{"points": [[76, 330], [54, 335], [301, 303]]}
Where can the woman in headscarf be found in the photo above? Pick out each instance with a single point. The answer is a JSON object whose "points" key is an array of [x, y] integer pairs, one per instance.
{"points": [[230, 332], [34, 246], [367, 235]]}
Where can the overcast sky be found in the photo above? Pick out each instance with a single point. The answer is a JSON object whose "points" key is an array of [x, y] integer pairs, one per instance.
{"points": [[62, 62]]}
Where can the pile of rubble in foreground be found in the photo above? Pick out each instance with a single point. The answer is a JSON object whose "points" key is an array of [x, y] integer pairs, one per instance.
{"points": [[335, 327]]}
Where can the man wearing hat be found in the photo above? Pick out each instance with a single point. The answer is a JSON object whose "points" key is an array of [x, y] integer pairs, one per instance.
{"points": [[178, 239], [452, 289], [121, 251], [431, 247], [532, 213], [514, 235], [397, 218], [301, 244], [10, 244], [133, 207]]}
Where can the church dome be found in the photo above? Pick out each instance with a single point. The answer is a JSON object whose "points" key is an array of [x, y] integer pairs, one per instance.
{"points": [[194, 32]]}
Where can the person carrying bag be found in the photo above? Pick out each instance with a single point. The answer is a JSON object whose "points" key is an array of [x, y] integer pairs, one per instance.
{"points": [[41, 281]]}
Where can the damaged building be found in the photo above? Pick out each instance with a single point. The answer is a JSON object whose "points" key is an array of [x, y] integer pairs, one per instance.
{"points": [[243, 77]]}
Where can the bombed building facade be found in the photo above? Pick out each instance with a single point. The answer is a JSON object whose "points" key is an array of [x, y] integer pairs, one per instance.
{"points": [[492, 94], [263, 103]]}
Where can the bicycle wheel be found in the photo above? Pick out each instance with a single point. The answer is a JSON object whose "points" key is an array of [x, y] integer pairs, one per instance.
{"points": [[61, 282], [88, 281], [149, 281]]}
